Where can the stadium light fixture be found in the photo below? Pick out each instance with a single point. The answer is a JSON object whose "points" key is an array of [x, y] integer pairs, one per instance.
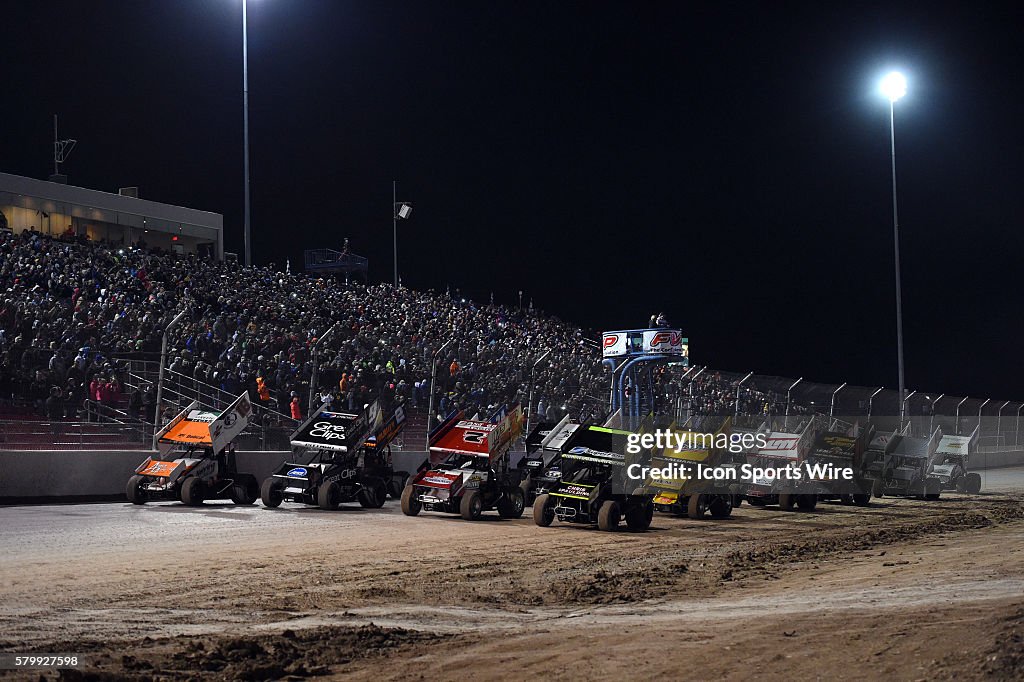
{"points": [[400, 210], [245, 131], [893, 87]]}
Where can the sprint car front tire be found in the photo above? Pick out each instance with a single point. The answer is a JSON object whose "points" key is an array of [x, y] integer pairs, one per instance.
{"points": [[720, 506], [696, 506], [193, 491], [878, 488], [327, 496], [862, 499], [245, 490], [608, 516], [932, 488], [471, 506], [806, 503], [639, 516], [512, 504], [543, 510], [972, 484], [524, 486], [411, 505], [787, 501], [373, 494], [397, 485], [270, 493], [134, 491]]}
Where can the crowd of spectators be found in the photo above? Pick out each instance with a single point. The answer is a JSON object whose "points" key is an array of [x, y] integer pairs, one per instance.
{"points": [[73, 312]]}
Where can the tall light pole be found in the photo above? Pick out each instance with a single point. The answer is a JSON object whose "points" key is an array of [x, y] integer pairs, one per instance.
{"points": [[245, 125], [400, 210], [894, 86]]}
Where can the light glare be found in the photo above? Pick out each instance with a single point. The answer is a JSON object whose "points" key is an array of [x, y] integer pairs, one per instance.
{"points": [[894, 86]]}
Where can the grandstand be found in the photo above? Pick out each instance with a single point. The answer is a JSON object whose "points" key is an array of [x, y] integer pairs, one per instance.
{"points": [[81, 326]]}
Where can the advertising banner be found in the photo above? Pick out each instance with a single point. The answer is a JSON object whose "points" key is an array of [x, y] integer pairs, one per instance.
{"points": [[614, 344], [666, 341]]}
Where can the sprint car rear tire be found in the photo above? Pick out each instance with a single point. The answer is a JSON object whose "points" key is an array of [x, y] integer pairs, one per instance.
{"points": [[932, 488], [862, 499], [737, 500], [608, 516], [471, 505], [411, 506], [806, 503], [270, 493], [960, 485], [639, 516], [543, 510], [972, 484], [193, 491], [720, 506], [245, 489], [787, 501], [512, 504], [134, 491], [328, 497], [696, 506]]}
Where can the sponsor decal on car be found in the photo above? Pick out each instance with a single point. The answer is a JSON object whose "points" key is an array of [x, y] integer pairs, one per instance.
{"points": [[666, 498], [439, 479], [158, 468], [576, 491], [297, 472]]}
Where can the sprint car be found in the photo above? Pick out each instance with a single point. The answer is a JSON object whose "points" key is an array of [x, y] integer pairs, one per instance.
{"points": [[593, 488], [468, 471], [194, 462], [541, 466], [687, 494], [349, 461], [950, 465]]}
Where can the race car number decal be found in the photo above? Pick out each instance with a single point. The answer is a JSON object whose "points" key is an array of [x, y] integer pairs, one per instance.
{"points": [[473, 436]]}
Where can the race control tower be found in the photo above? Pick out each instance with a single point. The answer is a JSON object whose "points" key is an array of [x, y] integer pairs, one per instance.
{"points": [[633, 355]]}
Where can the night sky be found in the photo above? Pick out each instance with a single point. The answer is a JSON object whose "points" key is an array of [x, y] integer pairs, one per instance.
{"points": [[727, 164]]}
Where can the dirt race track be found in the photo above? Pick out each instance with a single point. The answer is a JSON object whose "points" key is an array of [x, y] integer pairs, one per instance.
{"points": [[906, 589]]}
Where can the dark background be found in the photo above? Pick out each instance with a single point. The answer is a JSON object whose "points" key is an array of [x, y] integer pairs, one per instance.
{"points": [[727, 164]]}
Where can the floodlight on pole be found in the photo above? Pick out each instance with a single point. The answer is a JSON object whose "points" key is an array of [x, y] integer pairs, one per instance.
{"points": [[894, 86], [400, 210], [245, 129]]}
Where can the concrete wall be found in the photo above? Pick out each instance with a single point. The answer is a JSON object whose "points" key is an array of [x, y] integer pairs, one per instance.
{"points": [[51, 474]]}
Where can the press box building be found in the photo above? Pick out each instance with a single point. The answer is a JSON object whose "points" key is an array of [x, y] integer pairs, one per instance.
{"points": [[57, 209]]}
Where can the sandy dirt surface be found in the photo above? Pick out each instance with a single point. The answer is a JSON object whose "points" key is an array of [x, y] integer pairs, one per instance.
{"points": [[905, 589]]}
